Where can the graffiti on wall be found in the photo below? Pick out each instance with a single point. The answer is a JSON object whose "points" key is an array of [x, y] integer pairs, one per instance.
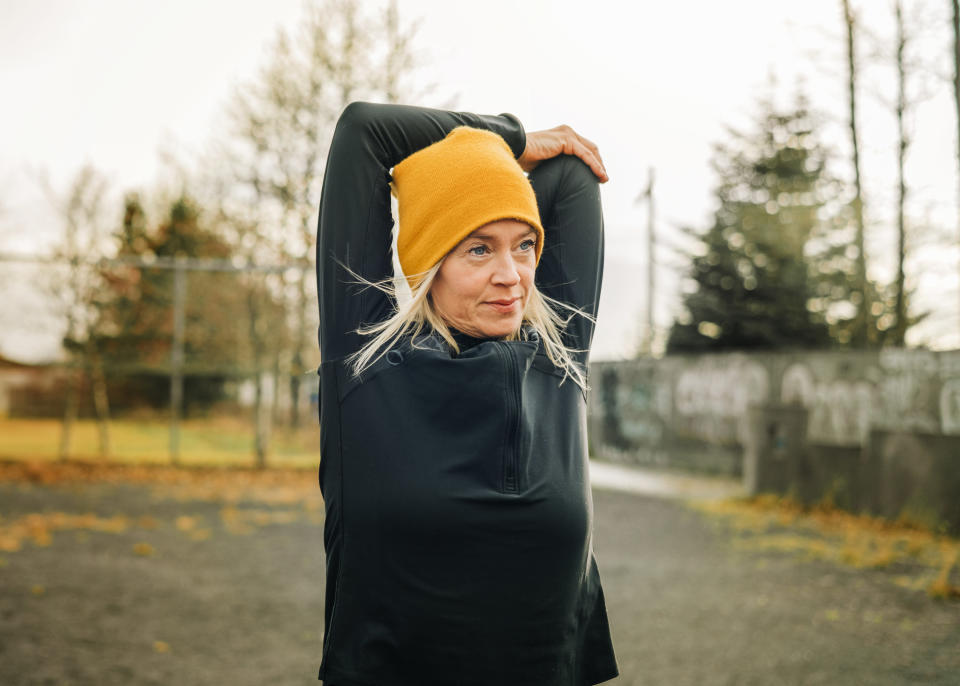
{"points": [[706, 398], [714, 393], [907, 384], [839, 409], [898, 360], [907, 402], [632, 409]]}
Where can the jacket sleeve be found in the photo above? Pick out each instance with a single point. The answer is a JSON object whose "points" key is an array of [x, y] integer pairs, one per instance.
{"points": [[355, 219], [571, 265]]}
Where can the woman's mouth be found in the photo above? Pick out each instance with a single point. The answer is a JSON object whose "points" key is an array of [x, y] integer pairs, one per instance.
{"points": [[504, 305]]}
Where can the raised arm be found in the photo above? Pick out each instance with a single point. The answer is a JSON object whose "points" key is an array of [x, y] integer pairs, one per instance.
{"points": [[355, 220], [565, 171], [571, 266]]}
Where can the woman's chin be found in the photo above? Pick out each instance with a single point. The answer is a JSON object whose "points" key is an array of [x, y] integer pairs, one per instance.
{"points": [[503, 327]]}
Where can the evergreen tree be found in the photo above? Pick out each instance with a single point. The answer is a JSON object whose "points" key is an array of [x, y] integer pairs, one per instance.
{"points": [[753, 282], [836, 295], [137, 310]]}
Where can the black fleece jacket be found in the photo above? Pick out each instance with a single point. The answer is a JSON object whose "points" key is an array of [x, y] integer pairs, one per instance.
{"points": [[459, 516]]}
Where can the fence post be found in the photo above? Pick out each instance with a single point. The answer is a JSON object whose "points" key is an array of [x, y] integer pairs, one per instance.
{"points": [[176, 356]]}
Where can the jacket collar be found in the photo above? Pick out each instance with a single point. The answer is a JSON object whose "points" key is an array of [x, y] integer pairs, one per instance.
{"points": [[466, 341]]}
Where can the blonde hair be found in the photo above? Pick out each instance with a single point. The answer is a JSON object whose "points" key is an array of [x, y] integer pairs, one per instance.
{"points": [[418, 313]]}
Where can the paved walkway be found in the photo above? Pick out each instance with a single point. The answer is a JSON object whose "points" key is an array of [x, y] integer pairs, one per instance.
{"points": [[611, 476], [197, 590]]}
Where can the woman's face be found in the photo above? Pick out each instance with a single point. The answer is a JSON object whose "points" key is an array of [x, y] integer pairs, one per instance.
{"points": [[483, 286]]}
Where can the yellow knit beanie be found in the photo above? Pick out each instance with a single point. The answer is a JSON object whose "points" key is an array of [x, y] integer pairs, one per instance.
{"points": [[447, 189]]}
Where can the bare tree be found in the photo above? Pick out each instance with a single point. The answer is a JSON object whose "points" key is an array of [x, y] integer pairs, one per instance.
{"points": [[76, 290], [282, 121], [911, 90], [863, 331], [955, 20], [900, 327], [852, 302], [245, 222], [902, 54]]}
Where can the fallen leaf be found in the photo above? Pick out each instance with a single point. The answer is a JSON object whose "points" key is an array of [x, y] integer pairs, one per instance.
{"points": [[185, 523], [144, 549]]}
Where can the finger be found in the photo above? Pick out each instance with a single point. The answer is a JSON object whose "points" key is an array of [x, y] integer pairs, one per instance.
{"points": [[594, 154], [585, 141], [593, 161], [592, 158], [593, 147], [589, 143]]}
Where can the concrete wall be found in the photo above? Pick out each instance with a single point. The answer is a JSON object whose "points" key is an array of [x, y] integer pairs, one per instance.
{"points": [[875, 433], [913, 475], [690, 411], [898, 475]]}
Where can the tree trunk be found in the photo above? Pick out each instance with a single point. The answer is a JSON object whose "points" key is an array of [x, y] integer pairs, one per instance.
{"points": [[300, 336], [260, 413], [956, 87], [259, 420], [69, 410], [275, 407], [900, 327], [101, 402], [864, 332]]}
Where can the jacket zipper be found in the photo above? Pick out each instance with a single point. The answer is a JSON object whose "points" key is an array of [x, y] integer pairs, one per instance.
{"points": [[513, 423]]}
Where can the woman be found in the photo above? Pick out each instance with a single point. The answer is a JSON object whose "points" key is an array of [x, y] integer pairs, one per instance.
{"points": [[454, 469]]}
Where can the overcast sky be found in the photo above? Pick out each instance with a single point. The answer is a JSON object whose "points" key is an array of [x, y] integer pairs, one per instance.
{"points": [[116, 82]]}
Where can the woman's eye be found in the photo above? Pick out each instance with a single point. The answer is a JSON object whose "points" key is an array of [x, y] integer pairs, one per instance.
{"points": [[531, 243], [481, 248]]}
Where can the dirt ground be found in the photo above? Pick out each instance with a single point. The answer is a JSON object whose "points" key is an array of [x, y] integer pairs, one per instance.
{"points": [[213, 579]]}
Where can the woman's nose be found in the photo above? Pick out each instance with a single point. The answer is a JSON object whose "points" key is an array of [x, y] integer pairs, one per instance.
{"points": [[506, 271]]}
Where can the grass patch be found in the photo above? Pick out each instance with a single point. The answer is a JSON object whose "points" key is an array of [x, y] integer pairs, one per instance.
{"points": [[824, 532], [227, 441]]}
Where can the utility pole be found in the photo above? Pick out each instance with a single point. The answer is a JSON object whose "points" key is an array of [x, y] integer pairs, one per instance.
{"points": [[646, 343]]}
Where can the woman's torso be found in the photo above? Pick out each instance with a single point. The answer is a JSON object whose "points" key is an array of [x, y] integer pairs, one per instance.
{"points": [[465, 513]]}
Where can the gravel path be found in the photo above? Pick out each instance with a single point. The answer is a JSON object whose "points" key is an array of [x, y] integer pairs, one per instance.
{"points": [[688, 608], [186, 589]]}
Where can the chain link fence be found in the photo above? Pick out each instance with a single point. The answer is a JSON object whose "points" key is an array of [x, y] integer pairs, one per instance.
{"points": [[176, 359]]}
